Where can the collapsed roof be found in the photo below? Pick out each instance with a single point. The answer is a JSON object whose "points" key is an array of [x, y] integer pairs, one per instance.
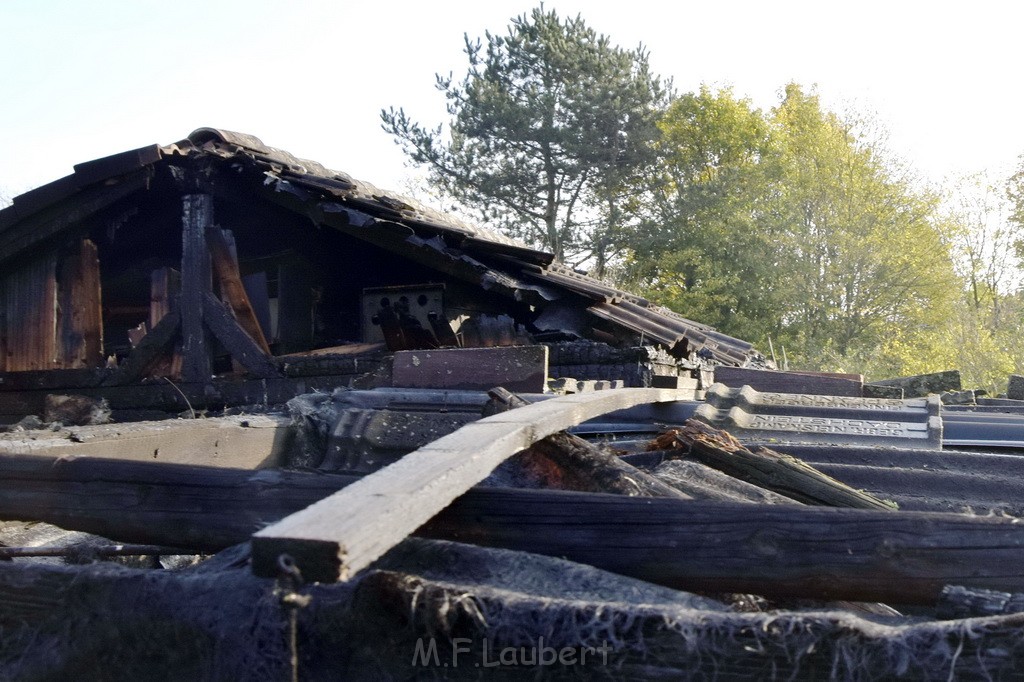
{"points": [[128, 204]]}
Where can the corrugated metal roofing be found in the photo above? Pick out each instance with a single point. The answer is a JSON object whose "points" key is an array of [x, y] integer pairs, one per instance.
{"points": [[311, 181]]}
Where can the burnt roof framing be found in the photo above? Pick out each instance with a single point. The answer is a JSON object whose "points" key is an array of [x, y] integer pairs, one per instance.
{"points": [[235, 167]]}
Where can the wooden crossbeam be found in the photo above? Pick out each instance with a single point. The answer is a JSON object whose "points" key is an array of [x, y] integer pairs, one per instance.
{"points": [[337, 537], [235, 339]]}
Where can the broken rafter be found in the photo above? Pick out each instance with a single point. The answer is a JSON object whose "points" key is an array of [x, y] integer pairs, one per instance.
{"points": [[339, 536]]}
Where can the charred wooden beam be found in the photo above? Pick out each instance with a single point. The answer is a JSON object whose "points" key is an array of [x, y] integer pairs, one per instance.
{"points": [[80, 308], [566, 462], [766, 468]]}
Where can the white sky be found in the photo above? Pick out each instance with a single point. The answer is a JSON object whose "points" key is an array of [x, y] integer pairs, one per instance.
{"points": [[85, 79]]}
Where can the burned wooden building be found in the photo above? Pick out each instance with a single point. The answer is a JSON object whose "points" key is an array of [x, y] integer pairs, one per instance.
{"points": [[413, 517], [219, 271]]}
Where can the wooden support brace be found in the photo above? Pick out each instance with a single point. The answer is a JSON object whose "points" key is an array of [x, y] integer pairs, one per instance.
{"points": [[232, 290], [241, 346], [153, 346], [343, 534]]}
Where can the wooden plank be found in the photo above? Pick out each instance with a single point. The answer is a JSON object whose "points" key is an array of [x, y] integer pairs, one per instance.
{"points": [[236, 340], [195, 281], [566, 462], [337, 537], [232, 290], [775, 551], [787, 382], [80, 325], [239, 442], [258, 292], [215, 394], [517, 368]]}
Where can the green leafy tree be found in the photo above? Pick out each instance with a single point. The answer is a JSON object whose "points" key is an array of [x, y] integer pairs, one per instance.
{"points": [[863, 253], [550, 134], [702, 249]]}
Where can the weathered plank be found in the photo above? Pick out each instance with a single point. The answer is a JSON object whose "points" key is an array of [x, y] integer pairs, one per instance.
{"points": [[337, 537], [240, 442], [235, 339], [517, 368], [787, 382], [164, 296], [195, 282], [775, 551], [164, 289], [80, 308]]}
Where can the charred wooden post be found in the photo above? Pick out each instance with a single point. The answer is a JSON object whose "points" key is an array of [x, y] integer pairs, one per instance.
{"points": [[766, 468], [164, 297], [195, 282]]}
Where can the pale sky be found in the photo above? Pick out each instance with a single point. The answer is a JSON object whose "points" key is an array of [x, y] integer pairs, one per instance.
{"points": [[85, 79]]}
